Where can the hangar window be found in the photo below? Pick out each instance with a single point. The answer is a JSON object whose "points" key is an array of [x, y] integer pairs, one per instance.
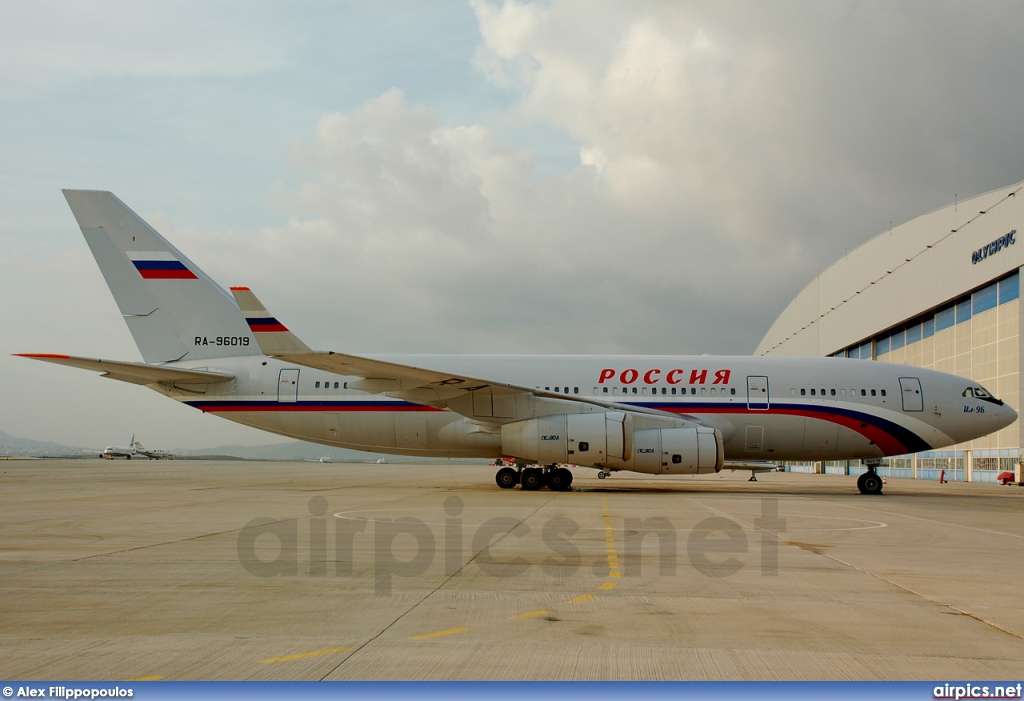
{"points": [[928, 327], [1009, 288], [897, 340], [882, 346], [913, 333], [984, 299], [963, 311], [944, 318], [865, 351], [854, 352]]}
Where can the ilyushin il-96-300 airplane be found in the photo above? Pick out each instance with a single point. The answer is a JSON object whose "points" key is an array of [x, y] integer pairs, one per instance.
{"points": [[225, 354]]}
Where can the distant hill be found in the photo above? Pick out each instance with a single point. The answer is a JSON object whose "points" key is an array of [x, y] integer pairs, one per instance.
{"points": [[26, 447]]}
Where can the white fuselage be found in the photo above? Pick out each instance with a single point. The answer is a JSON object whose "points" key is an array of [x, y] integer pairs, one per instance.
{"points": [[766, 408]]}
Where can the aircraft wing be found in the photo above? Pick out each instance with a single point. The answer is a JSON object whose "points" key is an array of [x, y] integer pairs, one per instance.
{"points": [[474, 397], [136, 373]]}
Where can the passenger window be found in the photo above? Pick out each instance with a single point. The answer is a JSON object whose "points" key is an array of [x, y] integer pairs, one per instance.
{"points": [[863, 393], [823, 391], [335, 385], [732, 390], [872, 393], [673, 390], [634, 390], [615, 390], [813, 393], [803, 392], [643, 391], [883, 392], [703, 391], [843, 392], [318, 384], [792, 392], [606, 390], [575, 390], [832, 392]]}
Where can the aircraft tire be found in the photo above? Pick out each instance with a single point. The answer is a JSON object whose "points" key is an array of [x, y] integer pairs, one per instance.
{"points": [[860, 483], [507, 478], [559, 479], [531, 479], [872, 483]]}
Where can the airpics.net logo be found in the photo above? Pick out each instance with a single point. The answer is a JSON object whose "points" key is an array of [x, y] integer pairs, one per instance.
{"points": [[390, 549], [1009, 690], [995, 247]]}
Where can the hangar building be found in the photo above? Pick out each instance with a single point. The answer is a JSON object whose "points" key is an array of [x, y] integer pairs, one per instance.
{"points": [[942, 292]]}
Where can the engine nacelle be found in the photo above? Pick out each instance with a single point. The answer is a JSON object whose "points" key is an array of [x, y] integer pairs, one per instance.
{"points": [[580, 439], [677, 451]]}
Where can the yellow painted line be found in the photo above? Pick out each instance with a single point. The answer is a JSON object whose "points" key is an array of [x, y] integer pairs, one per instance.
{"points": [[303, 655], [145, 679], [440, 634], [613, 573], [608, 585], [581, 599], [531, 614]]}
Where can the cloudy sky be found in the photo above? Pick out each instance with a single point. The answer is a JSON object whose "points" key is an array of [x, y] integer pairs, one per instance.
{"points": [[572, 176]]}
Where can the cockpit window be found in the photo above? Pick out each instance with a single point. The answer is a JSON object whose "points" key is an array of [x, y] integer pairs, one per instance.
{"points": [[979, 392]]}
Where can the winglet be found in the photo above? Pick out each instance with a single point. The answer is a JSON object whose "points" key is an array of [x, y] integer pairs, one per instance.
{"points": [[273, 336]]}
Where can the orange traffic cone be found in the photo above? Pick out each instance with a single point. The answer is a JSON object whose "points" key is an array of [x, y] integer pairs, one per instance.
{"points": [[884, 480]]}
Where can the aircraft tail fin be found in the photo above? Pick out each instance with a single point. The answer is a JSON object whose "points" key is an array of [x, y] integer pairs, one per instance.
{"points": [[273, 337], [173, 309]]}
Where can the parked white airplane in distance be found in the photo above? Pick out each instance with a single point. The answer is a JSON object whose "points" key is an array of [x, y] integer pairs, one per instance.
{"points": [[119, 451], [153, 453], [650, 414]]}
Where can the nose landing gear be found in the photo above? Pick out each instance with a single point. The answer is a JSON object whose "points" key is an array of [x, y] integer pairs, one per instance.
{"points": [[870, 482]]}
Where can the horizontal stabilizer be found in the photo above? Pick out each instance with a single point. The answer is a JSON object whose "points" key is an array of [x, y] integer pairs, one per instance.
{"points": [[136, 373], [272, 336]]}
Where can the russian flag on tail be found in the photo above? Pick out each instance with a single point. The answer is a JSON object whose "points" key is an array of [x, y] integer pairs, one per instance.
{"points": [[258, 318], [159, 265]]}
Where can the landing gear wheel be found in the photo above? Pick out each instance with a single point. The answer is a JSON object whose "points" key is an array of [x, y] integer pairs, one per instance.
{"points": [[860, 483], [559, 479], [531, 479], [872, 483], [602, 475], [507, 478]]}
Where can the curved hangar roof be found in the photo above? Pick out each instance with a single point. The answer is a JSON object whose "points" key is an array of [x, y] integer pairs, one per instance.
{"points": [[903, 272]]}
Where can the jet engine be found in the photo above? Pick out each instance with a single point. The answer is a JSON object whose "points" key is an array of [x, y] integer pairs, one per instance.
{"points": [[580, 439]]}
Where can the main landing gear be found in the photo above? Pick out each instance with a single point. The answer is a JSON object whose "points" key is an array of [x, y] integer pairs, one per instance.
{"points": [[554, 477], [870, 482]]}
